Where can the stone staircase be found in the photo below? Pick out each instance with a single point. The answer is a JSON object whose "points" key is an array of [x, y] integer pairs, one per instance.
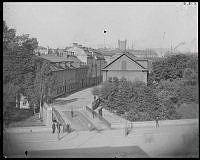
{"points": [[100, 125]]}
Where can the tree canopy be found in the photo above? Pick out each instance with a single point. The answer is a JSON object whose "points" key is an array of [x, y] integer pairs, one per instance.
{"points": [[173, 67], [18, 64]]}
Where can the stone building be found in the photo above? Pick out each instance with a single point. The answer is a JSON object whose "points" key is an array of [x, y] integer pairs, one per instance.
{"points": [[90, 57], [67, 74], [127, 66]]}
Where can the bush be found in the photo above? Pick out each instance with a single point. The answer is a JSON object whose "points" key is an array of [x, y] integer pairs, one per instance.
{"points": [[139, 101], [96, 91]]}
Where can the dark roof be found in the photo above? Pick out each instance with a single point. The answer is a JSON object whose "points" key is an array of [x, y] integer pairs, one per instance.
{"points": [[54, 58], [132, 57]]}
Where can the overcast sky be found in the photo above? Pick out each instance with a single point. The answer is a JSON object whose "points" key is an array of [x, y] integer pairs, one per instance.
{"points": [[144, 25]]}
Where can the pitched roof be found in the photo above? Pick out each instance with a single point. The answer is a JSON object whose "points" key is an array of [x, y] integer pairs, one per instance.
{"points": [[132, 57]]}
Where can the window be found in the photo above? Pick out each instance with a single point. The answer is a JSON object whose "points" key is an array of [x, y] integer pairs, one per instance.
{"points": [[123, 65]]}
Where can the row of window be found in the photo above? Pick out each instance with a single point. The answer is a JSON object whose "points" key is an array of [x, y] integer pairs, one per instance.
{"points": [[71, 87]]}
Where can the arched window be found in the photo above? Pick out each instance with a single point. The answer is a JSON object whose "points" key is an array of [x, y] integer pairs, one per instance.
{"points": [[123, 65]]}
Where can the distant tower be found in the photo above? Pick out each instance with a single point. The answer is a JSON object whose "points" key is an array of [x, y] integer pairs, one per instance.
{"points": [[122, 45]]}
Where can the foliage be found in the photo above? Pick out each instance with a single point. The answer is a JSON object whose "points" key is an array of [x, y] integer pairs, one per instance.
{"points": [[188, 110], [172, 67], [18, 66], [135, 100]]}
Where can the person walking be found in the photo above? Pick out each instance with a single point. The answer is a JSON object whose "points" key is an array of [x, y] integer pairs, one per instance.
{"points": [[67, 128], [59, 127], [26, 153], [63, 129], [93, 114], [53, 127], [72, 113], [157, 125]]}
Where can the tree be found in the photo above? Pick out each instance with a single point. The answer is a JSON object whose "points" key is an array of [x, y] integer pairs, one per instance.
{"points": [[18, 69], [190, 76], [172, 67], [139, 101]]}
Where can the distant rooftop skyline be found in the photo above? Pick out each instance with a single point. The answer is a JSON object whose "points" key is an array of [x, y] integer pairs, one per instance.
{"points": [[144, 25]]}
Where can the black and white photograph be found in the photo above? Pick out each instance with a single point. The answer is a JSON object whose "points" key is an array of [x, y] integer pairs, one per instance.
{"points": [[100, 80]]}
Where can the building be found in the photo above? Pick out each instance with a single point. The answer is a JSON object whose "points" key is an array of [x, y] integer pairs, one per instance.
{"points": [[67, 75], [41, 50], [127, 66], [93, 58], [23, 102], [122, 45]]}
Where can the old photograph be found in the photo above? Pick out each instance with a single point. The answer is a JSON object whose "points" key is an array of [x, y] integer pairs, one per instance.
{"points": [[100, 80]]}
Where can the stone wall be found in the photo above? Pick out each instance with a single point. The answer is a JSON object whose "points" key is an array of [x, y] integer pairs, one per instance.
{"points": [[47, 114]]}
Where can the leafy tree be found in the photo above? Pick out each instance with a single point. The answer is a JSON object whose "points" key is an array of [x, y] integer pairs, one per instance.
{"points": [[172, 67], [18, 69], [136, 100]]}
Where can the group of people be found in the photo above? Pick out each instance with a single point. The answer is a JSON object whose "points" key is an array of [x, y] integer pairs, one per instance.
{"points": [[57, 125]]}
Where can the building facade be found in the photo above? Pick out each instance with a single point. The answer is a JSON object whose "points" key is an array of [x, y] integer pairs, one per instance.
{"points": [[127, 66]]}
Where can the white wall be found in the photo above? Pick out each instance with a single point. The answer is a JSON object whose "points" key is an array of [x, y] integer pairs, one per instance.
{"points": [[129, 75]]}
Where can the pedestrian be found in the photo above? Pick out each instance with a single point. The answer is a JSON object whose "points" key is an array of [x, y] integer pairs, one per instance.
{"points": [[26, 153], [157, 125], [93, 114], [72, 113], [89, 126], [63, 129], [53, 127], [67, 128], [59, 126]]}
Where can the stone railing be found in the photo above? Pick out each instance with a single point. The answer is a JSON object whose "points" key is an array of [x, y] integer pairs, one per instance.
{"points": [[99, 116], [58, 117]]}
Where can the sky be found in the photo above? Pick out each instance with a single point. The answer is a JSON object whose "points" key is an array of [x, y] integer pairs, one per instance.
{"points": [[143, 24]]}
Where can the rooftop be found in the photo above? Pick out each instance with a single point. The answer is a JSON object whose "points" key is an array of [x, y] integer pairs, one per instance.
{"points": [[54, 58]]}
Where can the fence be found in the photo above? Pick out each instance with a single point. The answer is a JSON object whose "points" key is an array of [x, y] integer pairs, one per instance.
{"points": [[99, 116], [88, 82]]}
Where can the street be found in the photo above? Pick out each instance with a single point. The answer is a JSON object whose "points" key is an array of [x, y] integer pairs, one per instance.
{"points": [[99, 152], [162, 141]]}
